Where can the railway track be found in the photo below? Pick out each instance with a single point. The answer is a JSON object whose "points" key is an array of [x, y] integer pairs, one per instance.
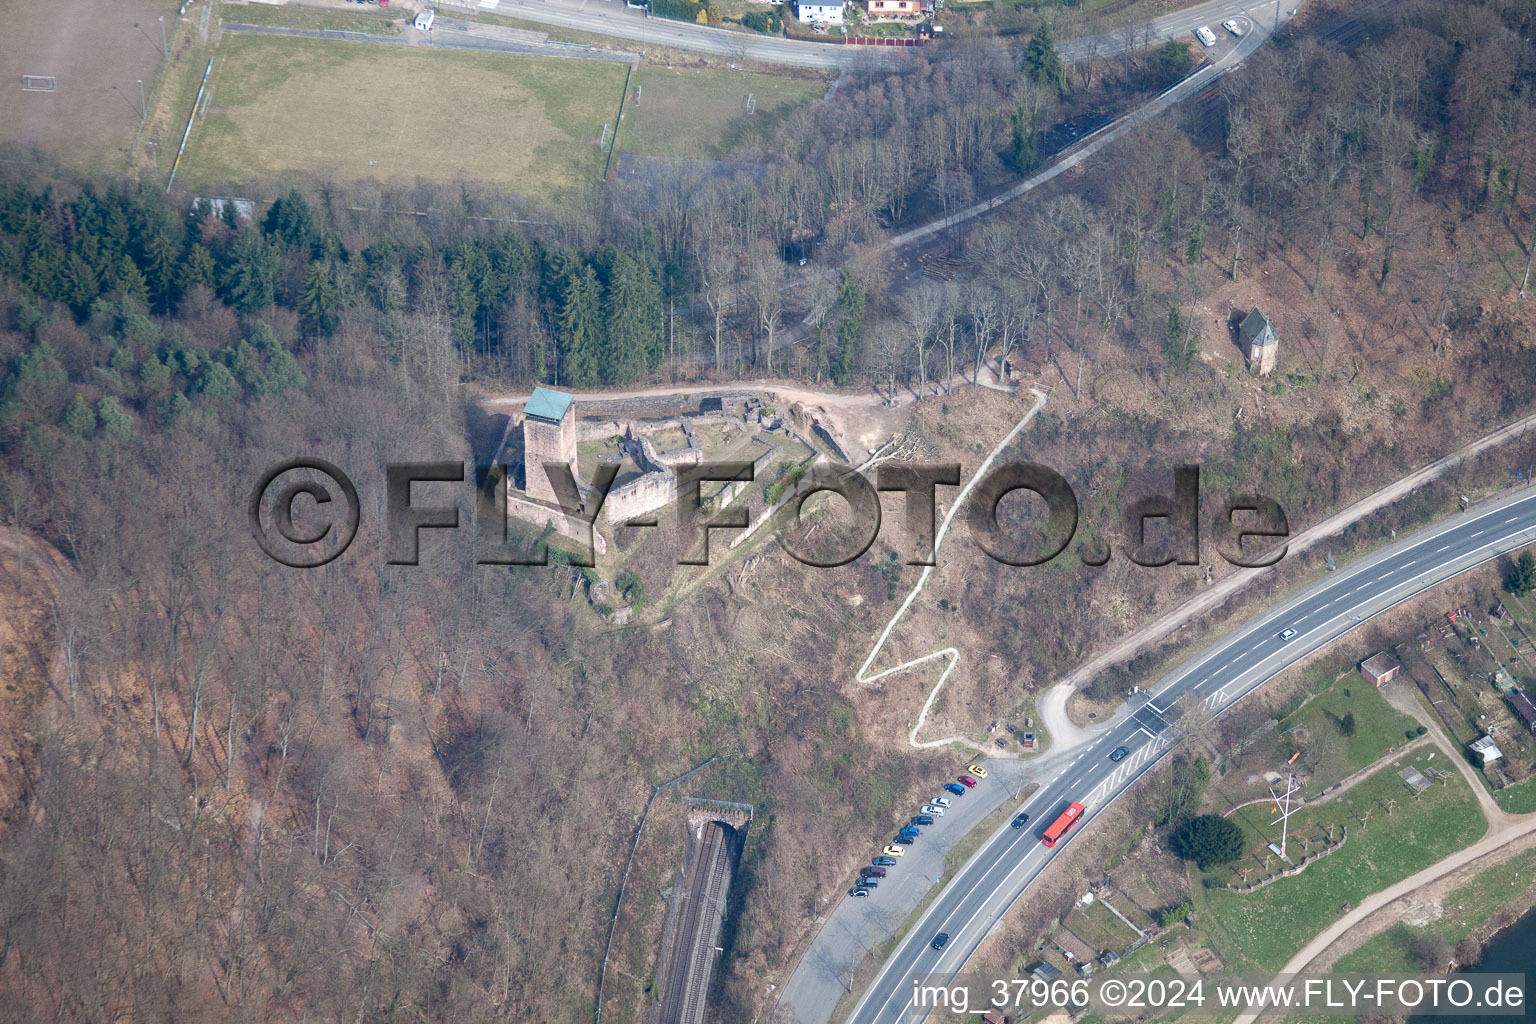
{"points": [[686, 984]]}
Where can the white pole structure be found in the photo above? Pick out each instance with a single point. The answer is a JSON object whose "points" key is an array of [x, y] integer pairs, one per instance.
{"points": [[1284, 805]]}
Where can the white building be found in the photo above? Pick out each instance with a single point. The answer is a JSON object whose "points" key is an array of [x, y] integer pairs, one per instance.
{"points": [[1487, 750], [424, 20], [821, 13]]}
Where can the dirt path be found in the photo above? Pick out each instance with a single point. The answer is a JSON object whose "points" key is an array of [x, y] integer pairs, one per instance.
{"points": [[1397, 694], [951, 653], [1156, 631], [1060, 730], [1495, 840]]}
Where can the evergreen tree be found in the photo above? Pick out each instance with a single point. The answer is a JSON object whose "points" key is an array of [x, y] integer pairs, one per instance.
{"points": [[1522, 576], [1209, 840], [78, 283], [128, 281], [1043, 63], [115, 420], [319, 302], [78, 418], [634, 335], [850, 327], [291, 220], [162, 269], [250, 279], [579, 328], [198, 268], [34, 391]]}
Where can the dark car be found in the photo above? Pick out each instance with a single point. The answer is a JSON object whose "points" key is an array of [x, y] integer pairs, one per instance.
{"points": [[868, 883], [1020, 820], [904, 840], [884, 862], [923, 819], [941, 940], [911, 831], [955, 788], [1118, 753], [872, 872]]}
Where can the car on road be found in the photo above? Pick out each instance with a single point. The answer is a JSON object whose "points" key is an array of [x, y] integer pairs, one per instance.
{"points": [[904, 840], [955, 788], [872, 872], [859, 894], [922, 819], [1286, 634], [1205, 35], [911, 831], [893, 850], [933, 809], [967, 782], [941, 940], [1020, 820], [976, 770], [1234, 26], [1118, 753], [886, 861], [942, 801]]}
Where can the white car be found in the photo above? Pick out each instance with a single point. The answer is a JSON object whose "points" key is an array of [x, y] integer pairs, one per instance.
{"points": [[933, 809], [1286, 634], [1205, 35], [1234, 26], [941, 801]]}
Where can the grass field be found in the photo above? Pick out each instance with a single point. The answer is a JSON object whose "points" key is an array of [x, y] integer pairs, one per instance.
{"points": [[1263, 929], [359, 110], [1326, 752], [372, 20], [1519, 798], [700, 112], [97, 51]]}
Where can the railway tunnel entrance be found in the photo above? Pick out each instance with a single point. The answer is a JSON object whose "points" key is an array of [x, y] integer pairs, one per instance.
{"points": [[696, 911]]}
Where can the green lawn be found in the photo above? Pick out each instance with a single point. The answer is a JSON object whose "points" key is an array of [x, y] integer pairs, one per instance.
{"points": [[1262, 930], [1464, 909], [339, 108], [1325, 751], [1519, 798], [701, 112]]}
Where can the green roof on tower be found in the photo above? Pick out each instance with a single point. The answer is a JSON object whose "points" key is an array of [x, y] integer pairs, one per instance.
{"points": [[547, 404]]}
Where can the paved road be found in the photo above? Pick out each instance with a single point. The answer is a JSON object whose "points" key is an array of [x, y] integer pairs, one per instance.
{"points": [[1213, 680], [615, 18]]}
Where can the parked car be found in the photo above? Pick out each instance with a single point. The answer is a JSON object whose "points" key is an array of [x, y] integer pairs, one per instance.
{"points": [[1118, 753], [941, 940], [1286, 634], [955, 788], [933, 809], [868, 883], [859, 894], [967, 782], [872, 872], [892, 850], [1205, 35], [884, 862], [904, 840], [942, 801], [1002, 744], [1234, 26], [912, 831], [1020, 819], [922, 819], [976, 770]]}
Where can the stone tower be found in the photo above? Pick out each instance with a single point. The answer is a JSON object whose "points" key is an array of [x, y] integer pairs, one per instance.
{"points": [[1259, 342], [549, 435]]}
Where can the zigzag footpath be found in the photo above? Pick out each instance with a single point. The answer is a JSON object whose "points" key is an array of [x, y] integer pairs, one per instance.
{"points": [[861, 676]]}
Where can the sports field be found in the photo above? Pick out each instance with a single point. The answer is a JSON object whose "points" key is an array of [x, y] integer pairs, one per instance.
{"points": [[702, 112], [355, 110], [97, 52]]}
